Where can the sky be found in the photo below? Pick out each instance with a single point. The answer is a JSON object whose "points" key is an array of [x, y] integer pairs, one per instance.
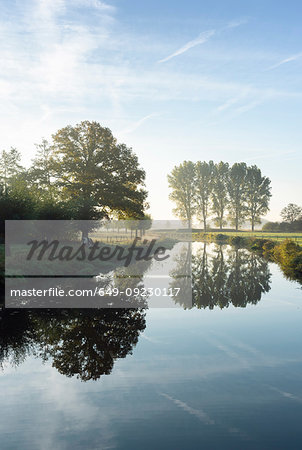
{"points": [[174, 80]]}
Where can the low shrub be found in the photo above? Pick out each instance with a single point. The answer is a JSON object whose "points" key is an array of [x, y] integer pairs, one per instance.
{"points": [[237, 240], [221, 237], [268, 246], [259, 244], [286, 250]]}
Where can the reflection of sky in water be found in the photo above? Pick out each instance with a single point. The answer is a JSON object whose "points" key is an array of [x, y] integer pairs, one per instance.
{"points": [[204, 378]]}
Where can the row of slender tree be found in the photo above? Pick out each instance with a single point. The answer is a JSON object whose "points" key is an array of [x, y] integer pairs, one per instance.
{"points": [[219, 191]]}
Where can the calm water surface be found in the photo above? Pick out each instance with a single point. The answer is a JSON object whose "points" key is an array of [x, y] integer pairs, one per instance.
{"points": [[226, 374]]}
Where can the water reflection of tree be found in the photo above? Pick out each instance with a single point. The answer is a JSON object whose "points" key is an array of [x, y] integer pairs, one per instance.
{"points": [[181, 276], [249, 277], [79, 342], [84, 343], [223, 277], [16, 336]]}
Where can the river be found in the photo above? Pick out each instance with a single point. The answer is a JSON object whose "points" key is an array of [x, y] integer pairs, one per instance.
{"points": [[225, 373]]}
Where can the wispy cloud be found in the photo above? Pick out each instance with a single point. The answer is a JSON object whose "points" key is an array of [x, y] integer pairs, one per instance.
{"points": [[248, 106], [245, 92], [271, 155], [102, 5], [201, 39], [199, 413], [286, 394], [230, 352], [248, 98], [97, 4], [236, 23], [285, 61], [204, 418], [139, 122], [150, 339]]}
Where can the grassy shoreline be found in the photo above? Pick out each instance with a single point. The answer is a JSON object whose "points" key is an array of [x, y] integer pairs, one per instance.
{"points": [[270, 235]]}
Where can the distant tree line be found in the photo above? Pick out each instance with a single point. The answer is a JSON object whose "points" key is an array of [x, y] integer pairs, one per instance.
{"points": [[220, 192], [83, 173], [292, 220]]}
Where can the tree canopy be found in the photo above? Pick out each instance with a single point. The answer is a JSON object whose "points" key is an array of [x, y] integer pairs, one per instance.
{"points": [[220, 195], [291, 212], [203, 189], [96, 173], [182, 182], [84, 174], [258, 193]]}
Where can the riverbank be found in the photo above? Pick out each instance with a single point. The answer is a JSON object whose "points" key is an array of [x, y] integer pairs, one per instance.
{"points": [[287, 253], [270, 235]]}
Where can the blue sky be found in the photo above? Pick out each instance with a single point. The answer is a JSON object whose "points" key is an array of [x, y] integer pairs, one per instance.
{"points": [[174, 79]]}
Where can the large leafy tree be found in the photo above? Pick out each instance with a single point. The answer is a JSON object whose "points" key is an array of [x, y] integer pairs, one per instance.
{"points": [[237, 193], [258, 193], [96, 174], [220, 196], [182, 182], [291, 213], [204, 189]]}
